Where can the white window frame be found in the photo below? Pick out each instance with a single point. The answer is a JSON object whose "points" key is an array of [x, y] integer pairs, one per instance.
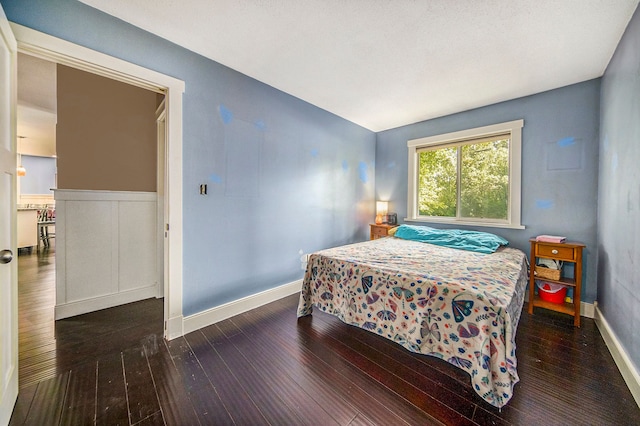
{"points": [[514, 128]]}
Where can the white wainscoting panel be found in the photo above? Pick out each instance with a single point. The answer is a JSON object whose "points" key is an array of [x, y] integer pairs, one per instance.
{"points": [[106, 249], [87, 250], [138, 259]]}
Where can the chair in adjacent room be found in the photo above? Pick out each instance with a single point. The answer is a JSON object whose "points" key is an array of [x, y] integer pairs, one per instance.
{"points": [[46, 219]]}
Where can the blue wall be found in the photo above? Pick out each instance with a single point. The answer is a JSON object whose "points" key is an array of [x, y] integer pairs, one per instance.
{"points": [[40, 177], [619, 192], [283, 176], [559, 164]]}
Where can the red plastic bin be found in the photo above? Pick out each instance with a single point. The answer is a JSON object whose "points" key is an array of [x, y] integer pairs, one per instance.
{"points": [[553, 293]]}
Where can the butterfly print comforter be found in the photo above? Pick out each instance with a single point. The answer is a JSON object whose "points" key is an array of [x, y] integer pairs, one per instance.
{"points": [[460, 306]]}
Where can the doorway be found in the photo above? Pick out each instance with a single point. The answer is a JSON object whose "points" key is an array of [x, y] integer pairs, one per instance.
{"points": [[45, 346], [56, 50]]}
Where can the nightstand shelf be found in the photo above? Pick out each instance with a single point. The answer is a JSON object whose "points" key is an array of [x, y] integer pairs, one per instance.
{"points": [[565, 252], [569, 282], [565, 308]]}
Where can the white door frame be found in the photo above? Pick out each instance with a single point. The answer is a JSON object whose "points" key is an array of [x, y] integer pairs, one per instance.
{"points": [[56, 50], [161, 208]]}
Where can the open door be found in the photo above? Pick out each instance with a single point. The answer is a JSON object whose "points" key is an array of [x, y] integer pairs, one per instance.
{"points": [[8, 250]]}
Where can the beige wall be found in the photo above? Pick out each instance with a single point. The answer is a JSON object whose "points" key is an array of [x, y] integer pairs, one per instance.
{"points": [[106, 134]]}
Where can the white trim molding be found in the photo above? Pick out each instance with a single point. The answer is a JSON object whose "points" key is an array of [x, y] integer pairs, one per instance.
{"points": [[514, 129], [60, 51], [101, 195], [106, 249], [626, 366], [587, 309], [72, 309], [219, 313]]}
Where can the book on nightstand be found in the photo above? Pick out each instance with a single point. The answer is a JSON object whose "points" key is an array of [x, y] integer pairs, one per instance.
{"points": [[551, 239]]}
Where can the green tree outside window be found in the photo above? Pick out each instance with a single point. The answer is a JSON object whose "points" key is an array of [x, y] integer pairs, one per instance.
{"points": [[476, 173]]}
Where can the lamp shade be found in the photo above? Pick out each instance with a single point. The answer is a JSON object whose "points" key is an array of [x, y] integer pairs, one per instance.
{"points": [[382, 207]]}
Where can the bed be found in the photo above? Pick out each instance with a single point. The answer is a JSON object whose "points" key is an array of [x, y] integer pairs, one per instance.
{"points": [[458, 305]]}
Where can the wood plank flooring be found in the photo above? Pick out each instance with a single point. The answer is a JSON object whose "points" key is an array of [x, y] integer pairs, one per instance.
{"points": [[268, 367], [48, 348]]}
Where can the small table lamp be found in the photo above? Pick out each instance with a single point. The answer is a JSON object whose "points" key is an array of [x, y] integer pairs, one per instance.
{"points": [[382, 208]]}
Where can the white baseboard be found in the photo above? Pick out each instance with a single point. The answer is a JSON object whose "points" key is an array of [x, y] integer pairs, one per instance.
{"points": [[625, 365], [71, 309], [219, 313], [174, 328], [587, 309]]}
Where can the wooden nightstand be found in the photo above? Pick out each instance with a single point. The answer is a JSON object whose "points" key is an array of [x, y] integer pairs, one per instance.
{"points": [[565, 252], [380, 231]]}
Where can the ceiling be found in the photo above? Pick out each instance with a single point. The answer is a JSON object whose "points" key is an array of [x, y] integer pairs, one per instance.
{"points": [[382, 63], [37, 106]]}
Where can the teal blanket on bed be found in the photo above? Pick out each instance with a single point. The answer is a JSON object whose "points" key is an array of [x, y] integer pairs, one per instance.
{"points": [[481, 242]]}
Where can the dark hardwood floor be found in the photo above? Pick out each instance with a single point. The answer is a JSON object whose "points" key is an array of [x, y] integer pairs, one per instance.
{"points": [[267, 367]]}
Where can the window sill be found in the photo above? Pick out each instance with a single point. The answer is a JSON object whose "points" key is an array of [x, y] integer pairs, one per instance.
{"points": [[467, 222]]}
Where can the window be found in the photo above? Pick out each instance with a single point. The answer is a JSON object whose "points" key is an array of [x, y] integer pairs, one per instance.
{"points": [[470, 177]]}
